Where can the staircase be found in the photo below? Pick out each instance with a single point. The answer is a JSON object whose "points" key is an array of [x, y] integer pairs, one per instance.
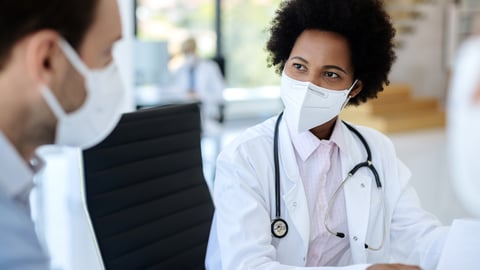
{"points": [[404, 15], [396, 110]]}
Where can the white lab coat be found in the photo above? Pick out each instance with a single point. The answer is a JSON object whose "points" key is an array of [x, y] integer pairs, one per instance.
{"points": [[464, 125], [245, 204]]}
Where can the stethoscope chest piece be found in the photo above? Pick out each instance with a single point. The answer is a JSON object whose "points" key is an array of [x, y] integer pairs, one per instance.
{"points": [[279, 228]]}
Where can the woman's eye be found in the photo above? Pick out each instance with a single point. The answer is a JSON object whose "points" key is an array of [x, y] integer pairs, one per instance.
{"points": [[330, 74], [298, 66]]}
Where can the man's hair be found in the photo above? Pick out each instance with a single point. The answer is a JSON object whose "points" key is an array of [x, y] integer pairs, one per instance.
{"points": [[363, 23], [189, 45], [20, 18]]}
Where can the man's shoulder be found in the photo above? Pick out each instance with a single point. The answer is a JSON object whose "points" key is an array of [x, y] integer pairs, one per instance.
{"points": [[18, 239], [15, 212]]}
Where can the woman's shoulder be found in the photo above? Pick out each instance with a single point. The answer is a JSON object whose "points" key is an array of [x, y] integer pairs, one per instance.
{"points": [[371, 132], [255, 138], [385, 154], [374, 137]]}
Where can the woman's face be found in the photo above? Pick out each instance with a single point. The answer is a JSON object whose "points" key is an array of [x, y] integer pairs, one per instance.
{"points": [[322, 58]]}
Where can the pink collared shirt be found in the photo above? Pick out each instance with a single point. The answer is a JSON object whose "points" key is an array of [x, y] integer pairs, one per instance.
{"points": [[321, 172]]}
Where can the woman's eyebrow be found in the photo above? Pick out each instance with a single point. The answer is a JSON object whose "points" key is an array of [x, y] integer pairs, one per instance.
{"points": [[337, 68], [299, 58]]}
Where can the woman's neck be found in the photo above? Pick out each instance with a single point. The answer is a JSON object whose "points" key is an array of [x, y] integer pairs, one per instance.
{"points": [[324, 131]]}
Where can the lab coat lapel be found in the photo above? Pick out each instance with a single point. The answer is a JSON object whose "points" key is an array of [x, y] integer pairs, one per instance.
{"points": [[357, 192], [293, 192]]}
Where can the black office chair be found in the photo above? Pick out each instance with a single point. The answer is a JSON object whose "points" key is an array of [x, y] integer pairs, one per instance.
{"points": [[148, 202]]}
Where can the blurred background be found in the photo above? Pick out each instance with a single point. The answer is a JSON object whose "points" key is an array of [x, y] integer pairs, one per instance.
{"points": [[232, 34]]}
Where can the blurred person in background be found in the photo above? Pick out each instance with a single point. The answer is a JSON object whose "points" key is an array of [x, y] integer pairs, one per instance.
{"points": [[199, 79], [58, 85], [463, 122], [305, 190]]}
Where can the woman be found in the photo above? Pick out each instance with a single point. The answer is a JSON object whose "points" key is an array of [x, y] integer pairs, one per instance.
{"points": [[329, 52]]}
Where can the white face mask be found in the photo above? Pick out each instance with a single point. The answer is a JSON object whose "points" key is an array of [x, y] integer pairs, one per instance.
{"points": [[100, 112], [308, 106]]}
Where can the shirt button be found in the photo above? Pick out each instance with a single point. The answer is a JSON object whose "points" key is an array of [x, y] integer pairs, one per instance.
{"points": [[355, 238], [362, 185], [294, 204], [303, 258]]}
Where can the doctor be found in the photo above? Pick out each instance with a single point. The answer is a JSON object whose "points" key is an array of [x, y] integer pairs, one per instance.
{"points": [[199, 79], [58, 85], [338, 196]]}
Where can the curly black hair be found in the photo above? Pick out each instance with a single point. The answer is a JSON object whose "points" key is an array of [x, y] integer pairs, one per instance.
{"points": [[364, 23]]}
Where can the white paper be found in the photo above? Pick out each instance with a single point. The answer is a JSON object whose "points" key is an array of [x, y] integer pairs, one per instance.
{"points": [[462, 247]]}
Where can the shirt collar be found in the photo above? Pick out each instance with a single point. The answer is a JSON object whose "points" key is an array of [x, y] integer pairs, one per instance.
{"points": [[306, 143], [16, 176]]}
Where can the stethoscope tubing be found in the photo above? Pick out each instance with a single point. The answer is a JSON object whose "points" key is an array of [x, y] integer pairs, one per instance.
{"points": [[277, 168], [368, 163]]}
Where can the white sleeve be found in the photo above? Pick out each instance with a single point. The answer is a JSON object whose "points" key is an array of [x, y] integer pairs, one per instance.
{"points": [[417, 236]]}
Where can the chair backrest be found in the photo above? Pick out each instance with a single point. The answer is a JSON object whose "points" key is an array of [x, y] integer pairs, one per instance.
{"points": [[146, 196]]}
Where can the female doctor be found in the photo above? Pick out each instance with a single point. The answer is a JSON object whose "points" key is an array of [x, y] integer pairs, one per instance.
{"points": [[304, 189]]}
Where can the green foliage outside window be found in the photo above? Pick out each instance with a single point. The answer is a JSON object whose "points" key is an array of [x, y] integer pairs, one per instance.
{"points": [[244, 25]]}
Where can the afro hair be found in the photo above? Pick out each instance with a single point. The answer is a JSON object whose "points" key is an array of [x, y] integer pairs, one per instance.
{"points": [[364, 23]]}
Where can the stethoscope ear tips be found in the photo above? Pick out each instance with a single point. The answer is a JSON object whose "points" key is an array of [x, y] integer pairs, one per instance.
{"points": [[341, 235]]}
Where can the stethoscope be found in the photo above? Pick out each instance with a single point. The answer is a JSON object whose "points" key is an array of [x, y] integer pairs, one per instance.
{"points": [[279, 226]]}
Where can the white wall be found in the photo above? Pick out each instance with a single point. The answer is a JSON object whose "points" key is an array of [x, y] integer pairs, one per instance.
{"points": [[424, 152], [424, 63], [421, 61]]}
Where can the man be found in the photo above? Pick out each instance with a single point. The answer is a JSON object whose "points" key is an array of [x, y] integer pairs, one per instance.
{"points": [[200, 79], [58, 85]]}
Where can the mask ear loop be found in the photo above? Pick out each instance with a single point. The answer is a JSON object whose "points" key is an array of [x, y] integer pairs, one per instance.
{"points": [[46, 92], [52, 103], [346, 101], [73, 57], [349, 96]]}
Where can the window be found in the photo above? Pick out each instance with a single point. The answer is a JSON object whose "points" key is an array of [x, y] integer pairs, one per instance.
{"points": [[175, 20], [245, 28]]}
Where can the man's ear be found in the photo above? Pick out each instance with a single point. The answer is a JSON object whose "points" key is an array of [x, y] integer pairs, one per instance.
{"points": [[44, 60], [357, 89]]}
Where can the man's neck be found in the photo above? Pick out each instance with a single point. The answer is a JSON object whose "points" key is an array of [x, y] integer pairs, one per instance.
{"points": [[23, 127], [24, 149]]}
